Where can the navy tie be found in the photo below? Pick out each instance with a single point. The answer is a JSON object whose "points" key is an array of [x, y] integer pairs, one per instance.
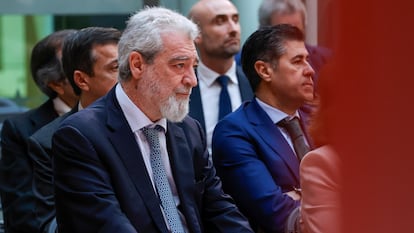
{"points": [[296, 134], [225, 102], [161, 181]]}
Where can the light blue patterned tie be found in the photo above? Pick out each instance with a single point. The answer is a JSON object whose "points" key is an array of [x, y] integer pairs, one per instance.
{"points": [[161, 181]]}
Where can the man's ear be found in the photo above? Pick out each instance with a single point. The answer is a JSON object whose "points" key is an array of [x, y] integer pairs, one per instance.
{"points": [[136, 64], [81, 80], [263, 69], [198, 39]]}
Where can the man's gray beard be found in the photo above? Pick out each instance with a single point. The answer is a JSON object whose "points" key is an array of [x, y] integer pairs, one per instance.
{"points": [[175, 110]]}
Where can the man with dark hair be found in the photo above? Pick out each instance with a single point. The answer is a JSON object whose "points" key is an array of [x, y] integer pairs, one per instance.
{"points": [[15, 166], [255, 156], [294, 12], [90, 62]]}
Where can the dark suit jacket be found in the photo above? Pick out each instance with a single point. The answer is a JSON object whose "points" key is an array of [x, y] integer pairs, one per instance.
{"points": [[40, 153], [196, 106], [16, 169], [102, 185], [256, 165]]}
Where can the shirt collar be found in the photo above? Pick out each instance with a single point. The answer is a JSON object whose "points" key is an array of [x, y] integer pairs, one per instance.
{"points": [[208, 76], [275, 114], [135, 117], [60, 106]]}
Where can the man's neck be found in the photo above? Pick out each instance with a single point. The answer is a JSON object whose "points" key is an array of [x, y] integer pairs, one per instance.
{"points": [[221, 66]]}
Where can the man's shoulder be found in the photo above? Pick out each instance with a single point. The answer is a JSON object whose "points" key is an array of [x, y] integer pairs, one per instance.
{"points": [[239, 116], [24, 121], [44, 134]]}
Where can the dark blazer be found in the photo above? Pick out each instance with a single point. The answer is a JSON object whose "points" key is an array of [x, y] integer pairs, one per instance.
{"points": [[16, 169], [102, 185], [196, 106], [40, 153], [256, 165]]}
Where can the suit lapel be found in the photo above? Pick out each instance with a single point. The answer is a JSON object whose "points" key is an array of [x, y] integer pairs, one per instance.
{"points": [[196, 106], [182, 168], [272, 136], [123, 140]]}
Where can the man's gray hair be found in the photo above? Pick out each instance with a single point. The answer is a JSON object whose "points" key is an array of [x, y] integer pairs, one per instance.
{"points": [[143, 34], [268, 7]]}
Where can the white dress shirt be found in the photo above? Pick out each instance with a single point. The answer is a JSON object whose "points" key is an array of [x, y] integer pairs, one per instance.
{"points": [[210, 95], [138, 120], [60, 106]]}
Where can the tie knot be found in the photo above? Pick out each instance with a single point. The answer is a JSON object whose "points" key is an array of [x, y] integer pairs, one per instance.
{"points": [[223, 80], [294, 129], [285, 121], [292, 126], [152, 132]]}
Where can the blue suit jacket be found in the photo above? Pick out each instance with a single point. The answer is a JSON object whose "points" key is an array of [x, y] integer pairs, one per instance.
{"points": [[16, 171], [256, 165], [196, 106], [102, 184]]}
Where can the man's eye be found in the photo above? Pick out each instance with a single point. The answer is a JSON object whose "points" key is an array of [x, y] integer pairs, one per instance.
{"points": [[220, 20], [236, 19], [181, 65]]}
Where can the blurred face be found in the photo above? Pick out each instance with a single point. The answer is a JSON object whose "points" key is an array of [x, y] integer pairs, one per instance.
{"points": [[105, 70], [63, 88], [220, 29], [167, 82], [294, 19], [291, 81]]}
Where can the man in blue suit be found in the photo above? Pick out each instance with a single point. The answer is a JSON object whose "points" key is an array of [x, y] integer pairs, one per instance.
{"points": [[217, 43], [133, 161], [254, 157]]}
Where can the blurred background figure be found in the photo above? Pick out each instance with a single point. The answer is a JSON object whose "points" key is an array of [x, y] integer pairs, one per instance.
{"points": [[16, 171], [90, 62], [222, 85], [273, 12], [8, 109]]}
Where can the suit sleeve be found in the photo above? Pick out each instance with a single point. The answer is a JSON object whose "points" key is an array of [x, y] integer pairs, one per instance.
{"points": [[85, 199], [42, 184], [237, 156]]}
